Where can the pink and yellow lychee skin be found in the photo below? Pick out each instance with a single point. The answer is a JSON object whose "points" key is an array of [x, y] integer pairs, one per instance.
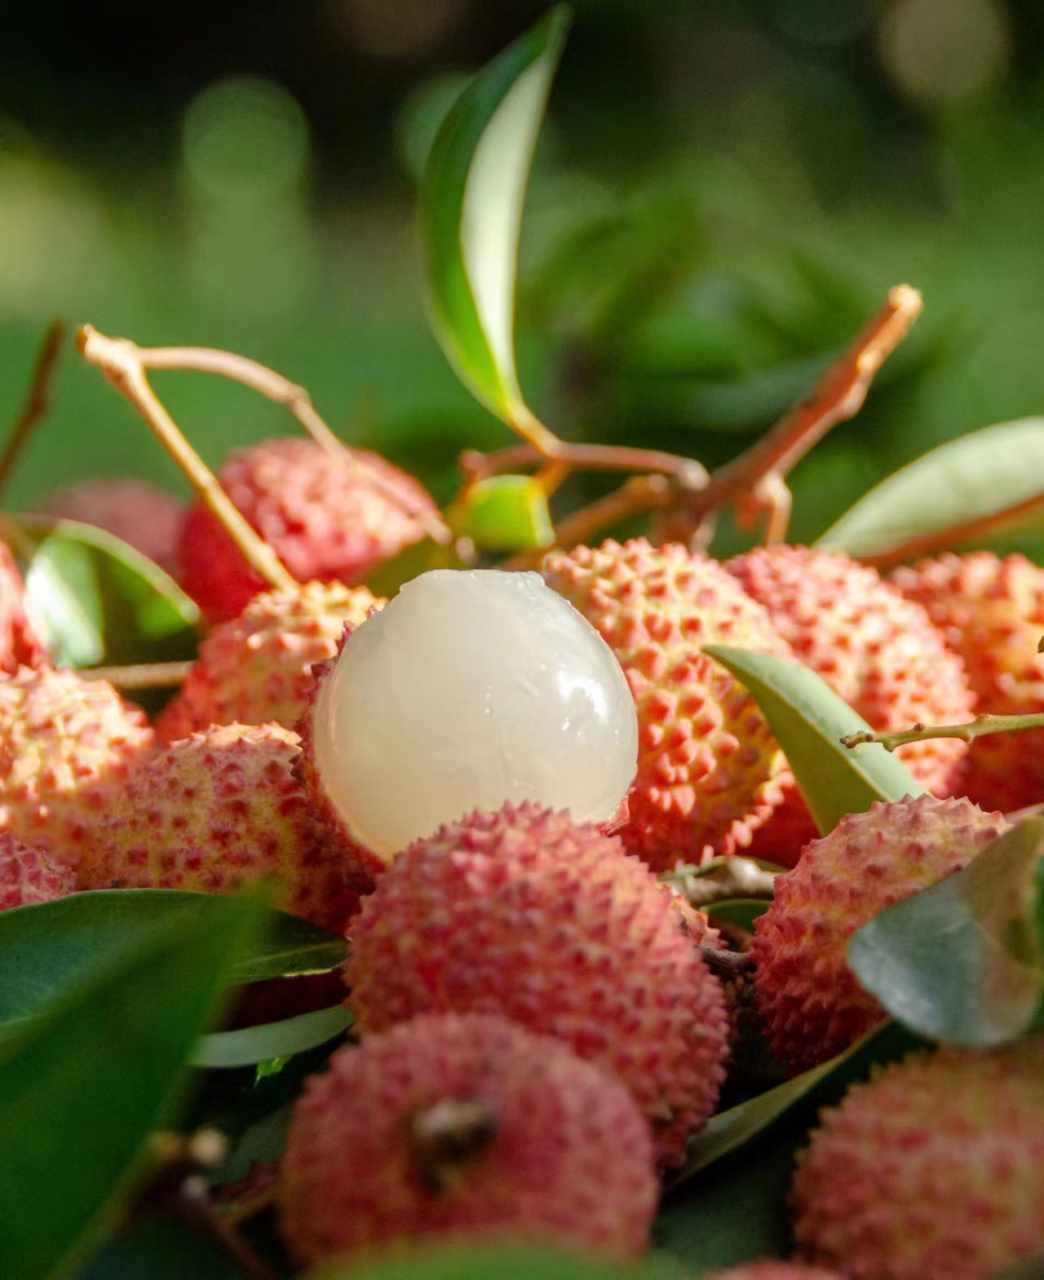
{"points": [[319, 515], [466, 1127], [990, 611], [525, 914], [65, 744], [709, 770], [19, 644], [257, 668], [215, 811], [30, 875], [879, 651], [809, 1001], [935, 1167]]}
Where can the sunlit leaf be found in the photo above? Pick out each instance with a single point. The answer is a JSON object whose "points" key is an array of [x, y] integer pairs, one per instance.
{"points": [[975, 477], [481, 1261], [962, 961], [85, 1083], [504, 513], [270, 1040], [809, 720], [471, 211]]}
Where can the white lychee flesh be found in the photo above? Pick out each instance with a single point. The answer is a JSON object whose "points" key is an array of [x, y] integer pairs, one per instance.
{"points": [[470, 689]]}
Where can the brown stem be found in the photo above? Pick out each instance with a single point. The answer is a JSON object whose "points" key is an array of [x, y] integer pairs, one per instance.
{"points": [[977, 728], [37, 401], [119, 360], [734, 877], [143, 675], [297, 400], [586, 457], [198, 1211]]}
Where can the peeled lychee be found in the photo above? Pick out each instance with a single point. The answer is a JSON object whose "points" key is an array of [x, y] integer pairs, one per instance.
{"points": [[319, 515], [30, 875], [141, 514], [257, 668], [527, 914], [469, 689], [709, 770], [214, 811], [991, 612], [65, 743], [809, 1001], [935, 1167], [19, 645], [468, 1127], [878, 651]]}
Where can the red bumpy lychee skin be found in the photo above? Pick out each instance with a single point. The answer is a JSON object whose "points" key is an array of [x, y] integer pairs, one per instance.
{"points": [[139, 513], [709, 770], [30, 875], [991, 611], [214, 811], [879, 651], [257, 668], [809, 1001], [319, 515], [526, 914], [19, 645], [935, 1167], [65, 743], [470, 1127]]}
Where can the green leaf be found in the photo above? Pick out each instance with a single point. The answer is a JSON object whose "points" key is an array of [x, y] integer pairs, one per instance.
{"points": [[160, 1249], [976, 477], [271, 1040], [419, 558], [809, 720], [504, 513], [962, 960], [96, 601], [741, 911], [83, 1086], [52, 947], [480, 1261], [471, 211]]}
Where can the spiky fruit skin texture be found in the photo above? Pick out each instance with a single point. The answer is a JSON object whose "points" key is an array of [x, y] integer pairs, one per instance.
{"points": [[991, 611], [709, 770], [19, 645], [382, 1147], [257, 668], [525, 914], [214, 811], [141, 514], [30, 875], [879, 651], [774, 1269], [319, 516], [65, 744], [809, 1001], [935, 1167]]}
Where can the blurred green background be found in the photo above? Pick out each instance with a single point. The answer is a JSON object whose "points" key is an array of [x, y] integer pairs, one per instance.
{"points": [[723, 193]]}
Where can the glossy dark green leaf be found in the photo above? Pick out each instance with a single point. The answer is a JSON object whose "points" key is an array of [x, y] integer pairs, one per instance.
{"points": [[96, 601], [479, 1261], [52, 947], [504, 513], [962, 960], [271, 1040], [471, 211], [809, 720], [741, 911], [159, 1249], [975, 477], [85, 1083]]}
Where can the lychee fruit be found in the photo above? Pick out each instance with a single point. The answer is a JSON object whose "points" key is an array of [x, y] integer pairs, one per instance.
{"points": [[809, 1001], [143, 515], [709, 770], [530, 915], [30, 875], [65, 743], [878, 651], [465, 1127], [935, 1167], [257, 668], [990, 610], [320, 516], [19, 644], [214, 811], [469, 689]]}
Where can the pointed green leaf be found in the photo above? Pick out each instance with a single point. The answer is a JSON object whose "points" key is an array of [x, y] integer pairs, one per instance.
{"points": [[504, 513], [471, 211], [975, 477], [84, 1084], [250, 1045], [962, 961], [809, 720]]}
